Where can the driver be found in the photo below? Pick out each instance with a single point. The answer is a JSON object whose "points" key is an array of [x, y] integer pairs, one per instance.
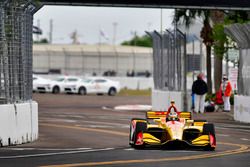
{"points": [[172, 114]]}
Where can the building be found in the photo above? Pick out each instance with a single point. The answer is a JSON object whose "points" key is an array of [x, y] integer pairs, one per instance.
{"points": [[91, 59]]}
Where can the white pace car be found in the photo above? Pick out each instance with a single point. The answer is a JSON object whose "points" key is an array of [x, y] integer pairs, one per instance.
{"points": [[40, 84], [58, 84], [52, 86], [93, 86]]}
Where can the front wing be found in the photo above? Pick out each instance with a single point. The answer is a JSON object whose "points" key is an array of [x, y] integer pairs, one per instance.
{"points": [[201, 141]]}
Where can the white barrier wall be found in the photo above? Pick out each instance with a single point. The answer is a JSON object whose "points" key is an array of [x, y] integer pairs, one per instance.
{"points": [[134, 83], [18, 123], [242, 108], [161, 100]]}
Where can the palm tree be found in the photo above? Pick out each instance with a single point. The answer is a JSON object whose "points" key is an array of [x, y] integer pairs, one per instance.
{"points": [[220, 39], [187, 17]]}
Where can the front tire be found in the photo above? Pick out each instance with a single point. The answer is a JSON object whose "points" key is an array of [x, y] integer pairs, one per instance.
{"points": [[82, 91], [56, 90], [139, 127], [208, 129]]}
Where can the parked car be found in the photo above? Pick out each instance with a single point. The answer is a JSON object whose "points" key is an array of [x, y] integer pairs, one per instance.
{"points": [[52, 85], [59, 83], [93, 86], [40, 84]]}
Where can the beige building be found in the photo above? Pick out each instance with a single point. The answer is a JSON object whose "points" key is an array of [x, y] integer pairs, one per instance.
{"points": [[89, 59]]}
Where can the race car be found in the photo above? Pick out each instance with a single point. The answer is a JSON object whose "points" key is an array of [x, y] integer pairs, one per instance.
{"points": [[171, 129]]}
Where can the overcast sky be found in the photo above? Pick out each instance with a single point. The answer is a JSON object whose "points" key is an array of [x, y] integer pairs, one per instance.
{"points": [[88, 21]]}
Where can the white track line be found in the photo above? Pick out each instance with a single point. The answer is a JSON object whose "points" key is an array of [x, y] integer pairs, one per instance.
{"points": [[244, 139], [46, 149], [57, 153]]}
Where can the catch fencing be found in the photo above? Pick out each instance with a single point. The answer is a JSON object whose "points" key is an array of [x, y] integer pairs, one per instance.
{"points": [[241, 34], [16, 20], [169, 57]]}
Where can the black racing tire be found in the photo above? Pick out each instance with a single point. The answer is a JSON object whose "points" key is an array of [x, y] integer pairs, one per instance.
{"points": [[112, 91], [208, 129], [82, 91], [56, 90], [139, 127]]}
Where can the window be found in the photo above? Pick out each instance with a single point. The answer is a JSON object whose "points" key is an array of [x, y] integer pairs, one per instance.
{"points": [[100, 81], [72, 79], [59, 79]]}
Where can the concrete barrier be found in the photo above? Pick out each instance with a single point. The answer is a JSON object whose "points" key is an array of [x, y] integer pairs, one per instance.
{"points": [[134, 83], [19, 123], [242, 108], [161, 100]]}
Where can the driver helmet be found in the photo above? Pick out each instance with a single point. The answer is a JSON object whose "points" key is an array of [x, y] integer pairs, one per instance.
{"points": [[173, 115]]}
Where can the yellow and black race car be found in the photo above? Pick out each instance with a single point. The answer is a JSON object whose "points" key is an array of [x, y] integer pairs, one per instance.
{"points": [[171, 129]]}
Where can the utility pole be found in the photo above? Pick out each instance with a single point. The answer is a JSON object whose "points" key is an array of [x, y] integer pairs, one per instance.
{"points": [[51, 31], [114, 32], [161, 22], [38, 25]]}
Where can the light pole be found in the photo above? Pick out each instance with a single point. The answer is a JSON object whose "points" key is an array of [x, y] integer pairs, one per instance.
{"points": [[114, 32], [51, 31]]}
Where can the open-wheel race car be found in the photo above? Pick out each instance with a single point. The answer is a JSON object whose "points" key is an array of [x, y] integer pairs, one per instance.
{"points": [[171, 129]]}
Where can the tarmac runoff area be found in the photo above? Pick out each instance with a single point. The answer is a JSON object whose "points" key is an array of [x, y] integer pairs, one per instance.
{"points": [[77, 131]]}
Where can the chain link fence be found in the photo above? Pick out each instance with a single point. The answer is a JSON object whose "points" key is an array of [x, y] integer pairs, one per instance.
{"points": [[16, 20], [169, 54], [241, 34]]}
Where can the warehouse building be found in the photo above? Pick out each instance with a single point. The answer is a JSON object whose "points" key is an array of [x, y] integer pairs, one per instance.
{"points": [[92, 60]]}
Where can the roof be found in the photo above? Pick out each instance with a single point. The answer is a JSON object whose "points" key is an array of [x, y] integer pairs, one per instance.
{"points": [[199, 4]]}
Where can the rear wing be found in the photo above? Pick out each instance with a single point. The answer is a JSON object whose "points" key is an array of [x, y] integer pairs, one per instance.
{"points": [[161, 114]]}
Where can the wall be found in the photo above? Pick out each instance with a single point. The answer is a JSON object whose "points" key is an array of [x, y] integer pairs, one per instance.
{"points": [[135, 83], [19, 123], [86, 59], [161, 100], [242, 108]]}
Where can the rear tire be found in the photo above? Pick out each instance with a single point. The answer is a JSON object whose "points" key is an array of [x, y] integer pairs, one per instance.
{"points": [[56, 90], [112, 92]]}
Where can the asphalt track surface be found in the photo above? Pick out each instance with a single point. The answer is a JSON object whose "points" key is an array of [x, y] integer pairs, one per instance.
{"points": [[86, 131]]}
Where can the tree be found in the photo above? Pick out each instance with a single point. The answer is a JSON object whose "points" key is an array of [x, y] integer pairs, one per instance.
{"points": [[144, 41], [187, 17], [220, 39]]}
